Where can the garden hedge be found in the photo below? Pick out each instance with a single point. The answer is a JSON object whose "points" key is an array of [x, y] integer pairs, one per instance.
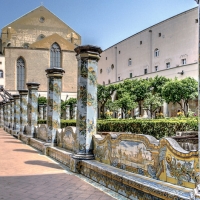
{"points": [[157, 127]]}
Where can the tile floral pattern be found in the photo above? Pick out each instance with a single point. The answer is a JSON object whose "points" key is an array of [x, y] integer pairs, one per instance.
{"points": [[41, 111], [162, 160], [86, 105], [16, 112], [12, 114], [23, 110], [1, 115], [32, 108], [54, 102], [8, 114], [45, 112], [5, 114]]}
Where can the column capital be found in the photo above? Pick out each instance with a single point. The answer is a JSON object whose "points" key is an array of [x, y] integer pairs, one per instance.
{"points": [[12, 99], [32, 85], [88, 51], [58, 72], [16, 96], [23, 92]]}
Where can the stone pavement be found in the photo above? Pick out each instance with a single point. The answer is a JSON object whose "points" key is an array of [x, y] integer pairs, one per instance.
{"points": [[25, 174]]}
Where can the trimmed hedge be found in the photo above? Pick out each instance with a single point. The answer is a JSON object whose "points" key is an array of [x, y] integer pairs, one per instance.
{"points": [[157, 127], [64, 123]]}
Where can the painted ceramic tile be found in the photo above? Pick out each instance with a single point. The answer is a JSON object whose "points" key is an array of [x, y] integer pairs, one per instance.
{"points": [[180, 170], [54, 107], [23, 110]]}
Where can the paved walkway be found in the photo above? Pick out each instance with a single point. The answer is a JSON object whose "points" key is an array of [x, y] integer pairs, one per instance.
{"points": [[25, 174]]}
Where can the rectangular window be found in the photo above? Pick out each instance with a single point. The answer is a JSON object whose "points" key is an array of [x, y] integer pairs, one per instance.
{"points": [[145, 71], [159, 34], [156, 68], [184, 61], [106, 58], [196, 20], [129, 61], [140, 42], [119, 52], [168, 65], [131, 75], [118, 78]]}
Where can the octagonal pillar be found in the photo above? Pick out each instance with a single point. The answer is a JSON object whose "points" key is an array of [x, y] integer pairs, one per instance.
{"points": [[54, 76], [87, 57], [23, 109], [32, 108]]}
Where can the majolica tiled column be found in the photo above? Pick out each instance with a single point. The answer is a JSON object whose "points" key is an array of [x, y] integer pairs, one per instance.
{"points": [[45, 112], [12, 107], [87, 57], [32, 108], [4, 113], [54, 76], [67, 112], [74, 111], [1, 114], [23, 109], [16, 127], [8, 113], [41, 111]]}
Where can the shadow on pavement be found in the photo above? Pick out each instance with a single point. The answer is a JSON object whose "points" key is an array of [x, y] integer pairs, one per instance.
{"points": [[42, 163], [25, 150], [13, 142]]}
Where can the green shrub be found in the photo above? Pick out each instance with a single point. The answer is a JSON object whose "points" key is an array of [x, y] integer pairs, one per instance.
{"points": [[42, 121], [156, 127]]}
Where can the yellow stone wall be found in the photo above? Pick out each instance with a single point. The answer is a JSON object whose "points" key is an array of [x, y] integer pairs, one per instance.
{"points": [[27, 29], [36, 61]]}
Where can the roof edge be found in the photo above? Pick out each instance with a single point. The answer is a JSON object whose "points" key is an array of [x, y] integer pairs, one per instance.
{"points": [[151, 27]]}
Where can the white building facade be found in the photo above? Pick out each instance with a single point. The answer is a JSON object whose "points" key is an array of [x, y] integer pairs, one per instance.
{"points": [[2, 70], [169, 48]]}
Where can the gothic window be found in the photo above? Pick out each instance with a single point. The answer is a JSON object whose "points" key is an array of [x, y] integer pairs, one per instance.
{"points": [[55, 56], [20, 73]]}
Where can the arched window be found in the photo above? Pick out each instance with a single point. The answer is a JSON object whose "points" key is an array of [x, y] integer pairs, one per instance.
{"points": [[156, 52], [20, 73], [1, 73], [55, 56]]}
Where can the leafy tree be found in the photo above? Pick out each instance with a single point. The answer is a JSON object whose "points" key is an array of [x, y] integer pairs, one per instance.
{"points": [[157, 84], [103, 95], [126, 103], [181, 91], [139, 90], [152, 102], [110, 105], [71, 102], [42, 100]]}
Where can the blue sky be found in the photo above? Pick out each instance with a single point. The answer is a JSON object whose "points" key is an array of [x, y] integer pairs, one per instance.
{"points": [[100, 22]]}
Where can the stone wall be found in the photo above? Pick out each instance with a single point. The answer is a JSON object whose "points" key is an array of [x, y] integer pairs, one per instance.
{"points": [[36, 62]]}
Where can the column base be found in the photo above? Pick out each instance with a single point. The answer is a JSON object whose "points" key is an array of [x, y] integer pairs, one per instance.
{"points": [[79, 156], [15, 133], [75, 165]]}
